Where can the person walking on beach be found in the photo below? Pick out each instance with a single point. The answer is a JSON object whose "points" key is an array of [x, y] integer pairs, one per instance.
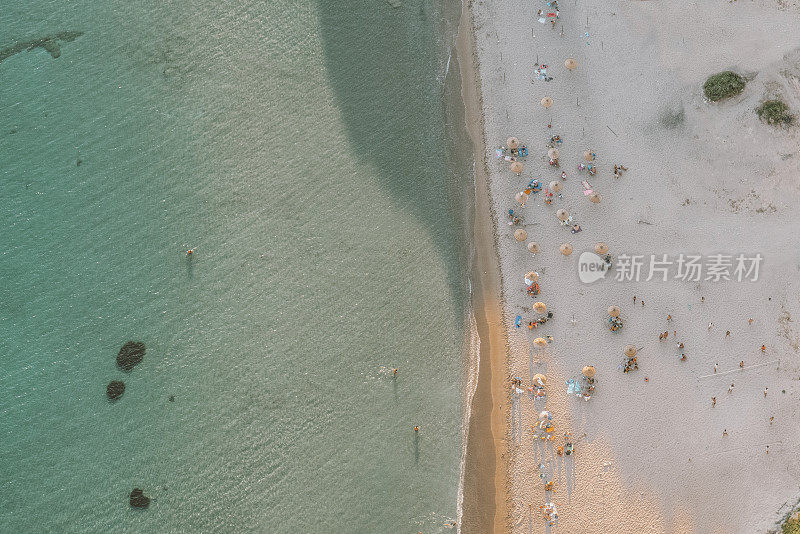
{"points": [[727, 333], [749, 322], [713, 401], [715, 368], [741, 364], [634, 299], [730, 389], [669, 317], [710, 325], [765, 392], [763, 348]]}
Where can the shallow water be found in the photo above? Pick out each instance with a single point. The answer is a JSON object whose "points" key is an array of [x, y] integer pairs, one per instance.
{"points": [[300, 149]]}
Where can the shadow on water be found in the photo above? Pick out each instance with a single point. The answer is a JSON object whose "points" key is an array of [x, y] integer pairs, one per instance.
{"points": [[385, 67], [189, 268]]}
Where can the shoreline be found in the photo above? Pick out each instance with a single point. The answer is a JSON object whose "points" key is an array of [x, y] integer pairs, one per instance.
{"points": [[485, 497]]}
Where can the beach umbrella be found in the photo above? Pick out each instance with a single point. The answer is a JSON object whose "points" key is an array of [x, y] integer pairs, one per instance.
{"points": [[589, 371], [540, 307], [570, 63], [516, 167], [540, 342], [521, 197], [562, 214], [520, 235], [539, 380], [588, 155], [545, 416], [630, 351], [566, 249], [595, 198], [547, 101], [614, 311], [555, 186], [553, 154], [601, 248], [531, 277], [512, 142], [533, 248]]}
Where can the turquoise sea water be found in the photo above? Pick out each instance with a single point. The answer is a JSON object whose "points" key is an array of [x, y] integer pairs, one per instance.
{"points": [[302, 149]]}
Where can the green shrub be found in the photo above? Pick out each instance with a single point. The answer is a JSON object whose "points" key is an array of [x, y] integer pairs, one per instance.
{"points": [[723, 85], [791, 526], [775, 112]]}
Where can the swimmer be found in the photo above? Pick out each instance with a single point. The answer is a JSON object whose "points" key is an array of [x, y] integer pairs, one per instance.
{"points": [[394, 371], [416, 429], [190, 252]]}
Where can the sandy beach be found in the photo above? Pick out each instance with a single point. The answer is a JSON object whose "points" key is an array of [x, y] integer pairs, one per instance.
{"points": [[653, 452]]}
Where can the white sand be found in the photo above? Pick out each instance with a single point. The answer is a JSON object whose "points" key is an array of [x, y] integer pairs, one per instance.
{"points": [[650, 457]]}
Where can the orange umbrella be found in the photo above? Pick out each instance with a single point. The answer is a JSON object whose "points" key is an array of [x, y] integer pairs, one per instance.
{"points": [[520, 235], [614, 311], [566, 249], [589, 371], [540, 342], [547, 101], [601, 248], [630, 351]]}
